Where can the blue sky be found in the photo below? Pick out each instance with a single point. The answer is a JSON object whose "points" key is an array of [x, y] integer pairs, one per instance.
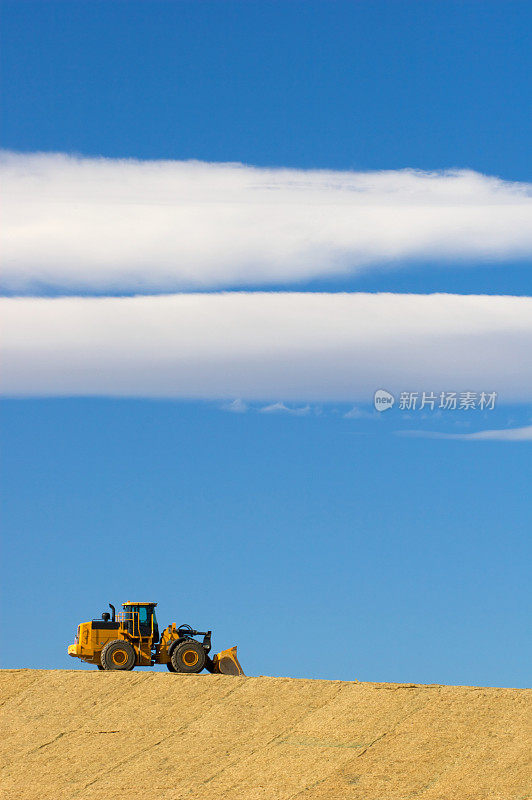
{"points": [[407, 554]]}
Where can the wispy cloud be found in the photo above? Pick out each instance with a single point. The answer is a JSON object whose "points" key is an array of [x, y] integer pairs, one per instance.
{"points": [[103, 224], [359, 413], [302, 347], [501, 435], [281, 408], [237, 406]]}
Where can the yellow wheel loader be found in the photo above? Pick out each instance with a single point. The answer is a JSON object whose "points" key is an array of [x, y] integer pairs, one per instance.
{"points": [[130, 638]]}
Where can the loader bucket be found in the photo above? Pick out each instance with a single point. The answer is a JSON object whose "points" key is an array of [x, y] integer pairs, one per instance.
{"points": [[226, 663]]}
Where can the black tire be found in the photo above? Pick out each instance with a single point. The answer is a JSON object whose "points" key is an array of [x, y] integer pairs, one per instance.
{"points": [[118, 654], [188, 657], [99, 666], [170, 667]]}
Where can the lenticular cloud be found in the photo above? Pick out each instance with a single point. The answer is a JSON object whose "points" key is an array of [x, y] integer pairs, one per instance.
{"points": [[266, 346], [85, 224]]}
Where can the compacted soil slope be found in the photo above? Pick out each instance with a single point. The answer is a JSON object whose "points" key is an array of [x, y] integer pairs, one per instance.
{"points": [[132, 735]]}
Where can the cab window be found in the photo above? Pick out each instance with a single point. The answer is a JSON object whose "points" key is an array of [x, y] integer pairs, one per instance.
{"points": [[143, 615]]}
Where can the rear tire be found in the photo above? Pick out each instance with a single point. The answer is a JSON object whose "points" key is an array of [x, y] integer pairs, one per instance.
{"points": [[118, 654], [188, 657], [170, 667], [99, 666]]}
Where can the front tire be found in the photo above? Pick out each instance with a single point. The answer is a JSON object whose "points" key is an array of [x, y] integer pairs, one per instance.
{"points": [[188, 657], [118, 654], [170, 667]]}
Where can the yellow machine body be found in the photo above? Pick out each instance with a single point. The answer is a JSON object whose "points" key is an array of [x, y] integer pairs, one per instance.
{"points": [[131, 639]]}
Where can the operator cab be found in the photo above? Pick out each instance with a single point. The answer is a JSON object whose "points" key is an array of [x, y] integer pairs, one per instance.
{"points": [[140, 618]]}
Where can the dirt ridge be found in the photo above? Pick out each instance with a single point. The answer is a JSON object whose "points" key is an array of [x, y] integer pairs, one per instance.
{"points": [[94, 735]]}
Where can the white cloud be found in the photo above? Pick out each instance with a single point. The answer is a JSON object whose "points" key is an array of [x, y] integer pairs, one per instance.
{"points": [[303, 347], [104, 224], [500, 435], [281, 408], [236, 406], [359, 413]]}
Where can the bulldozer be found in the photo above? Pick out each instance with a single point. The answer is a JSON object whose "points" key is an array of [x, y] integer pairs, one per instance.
{"points": [[130, 638]]}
